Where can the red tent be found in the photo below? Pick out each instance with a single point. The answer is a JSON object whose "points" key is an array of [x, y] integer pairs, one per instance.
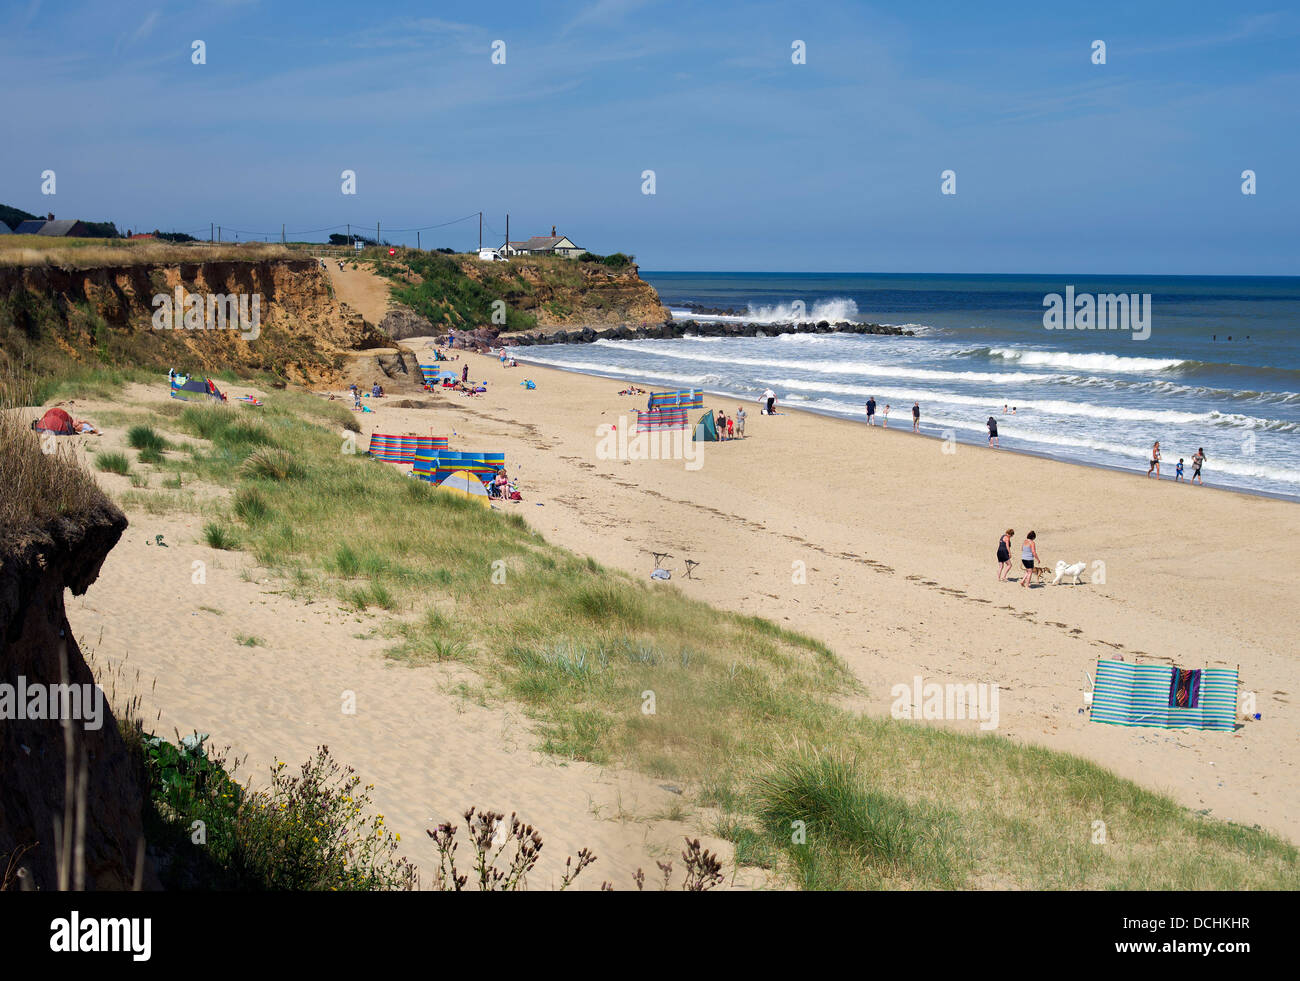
{"points": [[55, 421]]}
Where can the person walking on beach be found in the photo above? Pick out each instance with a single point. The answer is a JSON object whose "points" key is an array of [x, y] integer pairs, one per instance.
{"points": [[769, 397], [740, 421], [1197, 460], [1004, 555], [464, 374], [871, 411], [993, 431], [1028, 557], [916, 417], [884, 419], [1155, 460]]}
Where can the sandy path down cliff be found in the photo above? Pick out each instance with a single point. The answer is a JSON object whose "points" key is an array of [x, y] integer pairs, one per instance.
{"points": [[360, 288]]}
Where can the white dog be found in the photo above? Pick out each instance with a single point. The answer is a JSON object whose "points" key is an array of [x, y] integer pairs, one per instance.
{"points": [[1063, 570]]}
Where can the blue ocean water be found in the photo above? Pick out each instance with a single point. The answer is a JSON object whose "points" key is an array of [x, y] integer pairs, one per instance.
{"points": [[1220, 368]]}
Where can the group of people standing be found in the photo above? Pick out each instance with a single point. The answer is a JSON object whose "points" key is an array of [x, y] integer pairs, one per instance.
{"points": [[731, 427], [1198, 459], [1028, 556], [871, 414]]}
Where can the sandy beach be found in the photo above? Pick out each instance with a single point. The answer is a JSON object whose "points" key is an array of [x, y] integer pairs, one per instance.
{"points": [[896, 540]]}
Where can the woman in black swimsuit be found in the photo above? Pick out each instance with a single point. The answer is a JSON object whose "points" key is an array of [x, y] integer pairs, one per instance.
{"points": [[1004, 555]]}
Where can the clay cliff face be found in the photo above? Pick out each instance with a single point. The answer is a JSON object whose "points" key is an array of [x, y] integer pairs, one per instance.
{"points": [[108, 315], [35, 639]]}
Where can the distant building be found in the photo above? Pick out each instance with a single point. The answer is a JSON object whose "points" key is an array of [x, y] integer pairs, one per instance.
{"points": [[63, 228], [145, 235], [544, 245]]}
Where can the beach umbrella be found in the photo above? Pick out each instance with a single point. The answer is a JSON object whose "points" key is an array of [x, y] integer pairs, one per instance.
{"points": [[466, 484]]}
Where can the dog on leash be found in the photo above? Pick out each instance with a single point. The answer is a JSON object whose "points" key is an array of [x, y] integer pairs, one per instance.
{"points": [[1064, 571]]}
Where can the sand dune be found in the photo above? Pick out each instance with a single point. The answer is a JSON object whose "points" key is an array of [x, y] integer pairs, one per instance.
{"points": [[897, 539]]}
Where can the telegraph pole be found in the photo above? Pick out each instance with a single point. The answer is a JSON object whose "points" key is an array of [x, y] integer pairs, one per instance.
{"points": [[282, 233], [480, 231], [211, 226], [507, 245]]}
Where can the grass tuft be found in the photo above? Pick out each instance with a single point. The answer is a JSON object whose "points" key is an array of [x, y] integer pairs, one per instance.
{"points": [[218, 536], [113, 462], [272, 464]]}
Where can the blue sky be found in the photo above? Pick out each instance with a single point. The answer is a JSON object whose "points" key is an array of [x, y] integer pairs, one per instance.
{"points": [[1062, 165]]}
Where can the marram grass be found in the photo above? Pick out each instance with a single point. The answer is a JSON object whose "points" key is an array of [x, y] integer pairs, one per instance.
{"points": [[743, 711]]}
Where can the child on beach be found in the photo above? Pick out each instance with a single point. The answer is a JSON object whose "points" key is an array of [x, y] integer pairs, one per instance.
{"points": [[1178, 470], [731, 428], [885, 417]]}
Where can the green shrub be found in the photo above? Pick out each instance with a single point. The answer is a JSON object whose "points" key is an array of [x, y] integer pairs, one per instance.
{"points": [[309, 831]]}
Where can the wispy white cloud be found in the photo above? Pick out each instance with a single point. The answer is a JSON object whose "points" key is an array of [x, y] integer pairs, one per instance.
{"points": [[1251, 29], [603, 13], [146, 27]]}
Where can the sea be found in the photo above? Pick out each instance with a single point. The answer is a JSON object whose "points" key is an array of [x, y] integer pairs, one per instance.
{"points": [[1214, 364]]}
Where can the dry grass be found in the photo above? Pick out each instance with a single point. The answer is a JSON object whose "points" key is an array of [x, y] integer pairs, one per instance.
{"points": [[86, 253], [41, 481]]}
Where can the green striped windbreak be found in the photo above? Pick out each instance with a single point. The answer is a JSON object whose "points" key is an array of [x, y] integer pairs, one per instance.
{"points": [[1138, 695]]}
